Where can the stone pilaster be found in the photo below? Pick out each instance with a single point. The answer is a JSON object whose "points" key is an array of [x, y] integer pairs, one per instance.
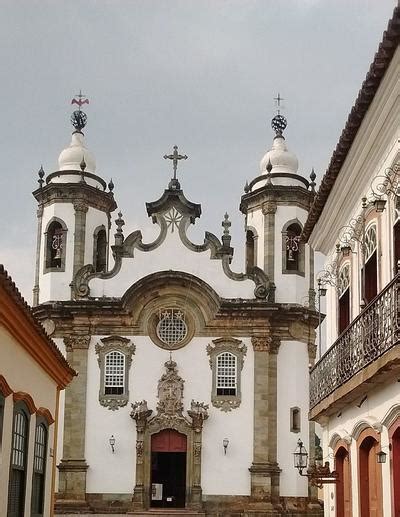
{"points": [[73, 466], [81, 209], [264, 469], [38, 248], [269, 210]]}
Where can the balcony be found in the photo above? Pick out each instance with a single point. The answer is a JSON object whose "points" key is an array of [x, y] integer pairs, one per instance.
{"points": [[363, 356]]}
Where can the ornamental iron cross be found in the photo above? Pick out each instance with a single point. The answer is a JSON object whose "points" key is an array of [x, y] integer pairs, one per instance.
{"points": [[278, 100], [175, 157]]}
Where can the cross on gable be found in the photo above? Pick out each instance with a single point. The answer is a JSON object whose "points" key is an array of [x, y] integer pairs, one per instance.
{"points": [[175, 157]]}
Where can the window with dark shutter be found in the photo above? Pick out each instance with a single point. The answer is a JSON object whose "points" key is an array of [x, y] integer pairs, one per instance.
{"points": [[39, 470], [19, 448]]}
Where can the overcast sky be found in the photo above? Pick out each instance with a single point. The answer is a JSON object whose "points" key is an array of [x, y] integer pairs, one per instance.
{"points": [[201, 74]]}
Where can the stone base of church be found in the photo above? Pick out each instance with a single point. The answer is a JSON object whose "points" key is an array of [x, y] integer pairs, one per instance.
{"points": [[211, 506]]}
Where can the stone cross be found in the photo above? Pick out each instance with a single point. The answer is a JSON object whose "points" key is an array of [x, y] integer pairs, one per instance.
{"points": [[175, 157]]}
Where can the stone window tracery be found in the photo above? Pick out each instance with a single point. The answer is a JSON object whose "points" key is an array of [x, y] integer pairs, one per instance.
{"points": [[226, 362], [114, 359], [171, 327]]}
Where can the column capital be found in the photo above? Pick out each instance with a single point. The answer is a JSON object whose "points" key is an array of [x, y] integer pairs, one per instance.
{"points": [[76, 342], [269, 207], [265, 344], [80, 206], [39, 212]]}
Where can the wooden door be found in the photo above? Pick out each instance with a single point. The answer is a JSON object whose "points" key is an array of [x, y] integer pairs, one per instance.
{"points": [[371, 278], [370, 479], [344, 311], [395, 456], [168, 440], [343, 487]]}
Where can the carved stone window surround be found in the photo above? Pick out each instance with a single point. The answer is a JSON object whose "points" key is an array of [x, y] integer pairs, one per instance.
{"points": [[103, 348], [214, 350], [47, 244]]}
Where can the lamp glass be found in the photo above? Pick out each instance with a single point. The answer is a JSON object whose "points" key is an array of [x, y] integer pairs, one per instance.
{"points": [[300, 456], [379, 205], [381, 457]]}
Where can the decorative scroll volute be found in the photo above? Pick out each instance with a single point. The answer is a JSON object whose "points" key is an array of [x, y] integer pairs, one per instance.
{"points": [[265, 344], [198, 412], [140, 413]]}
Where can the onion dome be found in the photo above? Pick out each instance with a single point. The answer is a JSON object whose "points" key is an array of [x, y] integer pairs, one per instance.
{"points": [[280, 158], [71, 157]]}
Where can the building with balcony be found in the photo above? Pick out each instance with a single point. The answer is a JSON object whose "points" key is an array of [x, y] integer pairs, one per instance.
{"points": [[355, 222]]}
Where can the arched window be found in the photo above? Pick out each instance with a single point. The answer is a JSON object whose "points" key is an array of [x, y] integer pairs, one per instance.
{"points": [[39, 469], [226, 374], [292, 249], [114, 374], [55, 244], [100, 249], [250, 250], [19, 449], [295, 420], [371, 269], [344, 298]]}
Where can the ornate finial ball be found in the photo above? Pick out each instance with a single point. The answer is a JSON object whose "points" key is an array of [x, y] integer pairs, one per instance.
{"points": [[279, 124], [78, 120]]}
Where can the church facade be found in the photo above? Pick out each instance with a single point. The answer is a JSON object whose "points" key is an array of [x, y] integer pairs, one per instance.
{"points": [[192, 387]]}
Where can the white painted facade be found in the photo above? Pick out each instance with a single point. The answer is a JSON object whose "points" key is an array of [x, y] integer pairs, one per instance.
{"points": [[374, 150]]}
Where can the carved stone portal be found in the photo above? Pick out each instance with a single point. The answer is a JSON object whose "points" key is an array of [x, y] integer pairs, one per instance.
{"points": [[169, 416]]}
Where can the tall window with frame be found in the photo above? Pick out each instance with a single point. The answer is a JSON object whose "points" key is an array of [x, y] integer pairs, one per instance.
{"points": [[293, 251], [19, 453], [39, 469], [226, 374], [250, 250], [344, 298], [371, 266], [114, 374]]}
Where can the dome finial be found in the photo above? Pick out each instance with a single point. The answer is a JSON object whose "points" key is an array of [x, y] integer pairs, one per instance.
{"points": [[78, 117], [279, 122]]}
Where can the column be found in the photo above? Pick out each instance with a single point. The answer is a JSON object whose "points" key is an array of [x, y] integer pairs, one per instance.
{"points": [[81, 209], [269, 210], [73, 466], [264, 469], [38, 249]]}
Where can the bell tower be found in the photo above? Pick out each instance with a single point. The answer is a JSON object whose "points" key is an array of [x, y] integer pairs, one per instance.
{"points": [[276, 205], [74, 213]]}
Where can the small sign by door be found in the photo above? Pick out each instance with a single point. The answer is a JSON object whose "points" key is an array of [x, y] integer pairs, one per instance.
{"points": [[156, 491]]}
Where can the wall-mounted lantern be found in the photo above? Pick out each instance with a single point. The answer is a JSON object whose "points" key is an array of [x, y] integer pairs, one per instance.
{"points": [[111, 441], [225, 443]]}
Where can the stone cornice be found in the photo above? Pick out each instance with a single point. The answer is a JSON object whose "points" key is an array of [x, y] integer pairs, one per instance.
{"points": [[279, 194], [73, 342], [75, 193]]}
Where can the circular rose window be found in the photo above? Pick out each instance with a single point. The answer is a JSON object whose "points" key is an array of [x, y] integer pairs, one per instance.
{"points": [[171, 327]]}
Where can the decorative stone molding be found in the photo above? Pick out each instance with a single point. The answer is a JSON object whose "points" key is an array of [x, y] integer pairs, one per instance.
{"points": [[45, 413], [22, 396], [269, 208], [169, 416], [184, 213], [76, 342], [265, 344], [368, 422], [125, 347], [81, 206], [5, 389], [391, 416], [39, 212], [239, 350]]}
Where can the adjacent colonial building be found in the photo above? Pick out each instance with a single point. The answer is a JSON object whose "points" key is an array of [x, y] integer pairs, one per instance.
{"points": [[355, 222], [193, 375], [32, 373]]}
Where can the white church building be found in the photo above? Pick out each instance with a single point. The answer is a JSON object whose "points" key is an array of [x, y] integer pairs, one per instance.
{"points": [[193, 378]]}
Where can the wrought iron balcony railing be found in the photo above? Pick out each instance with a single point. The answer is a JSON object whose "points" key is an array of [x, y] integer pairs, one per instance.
{"points": [[368, 337]]}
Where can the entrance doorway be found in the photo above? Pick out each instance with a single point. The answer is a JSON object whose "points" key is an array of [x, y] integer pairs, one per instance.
{"points": [[168, 469]]}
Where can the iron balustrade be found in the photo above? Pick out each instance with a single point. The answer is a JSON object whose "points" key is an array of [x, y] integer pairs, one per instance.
{"points": [[369, 336]]}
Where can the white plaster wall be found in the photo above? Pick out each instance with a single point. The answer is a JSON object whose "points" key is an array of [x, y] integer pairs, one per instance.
{"points": [[292, 383], [255, 219], [55, 286], [172, 255], [373, 411], [94, 218], [115, 473], [290, 288], [60, 434]]}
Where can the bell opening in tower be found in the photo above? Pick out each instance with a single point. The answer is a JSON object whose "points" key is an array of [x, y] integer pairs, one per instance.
{"points": [[168, 469]]}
